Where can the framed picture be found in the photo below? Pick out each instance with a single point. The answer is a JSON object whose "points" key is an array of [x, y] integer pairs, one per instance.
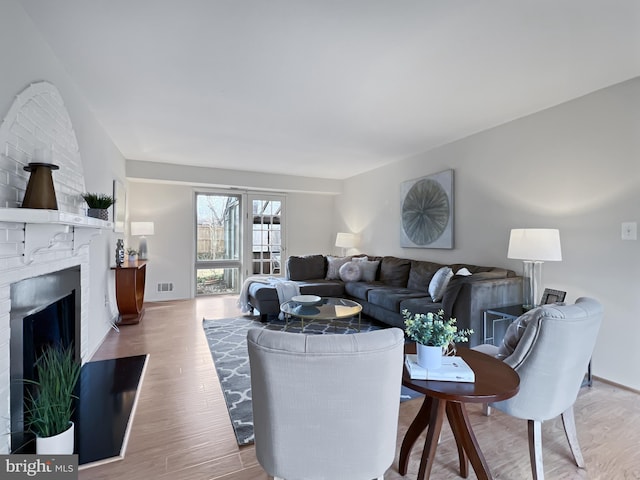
{"points": [[119, 206], [552, 296], [427, 211]]}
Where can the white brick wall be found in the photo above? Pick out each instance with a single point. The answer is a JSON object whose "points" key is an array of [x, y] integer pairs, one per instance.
{"points": [[37, 119]]}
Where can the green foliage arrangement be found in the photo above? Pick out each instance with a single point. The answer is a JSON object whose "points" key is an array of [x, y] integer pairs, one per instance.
{"points": [[98, 200], [432, 329], [132, 252], [50, 404]]}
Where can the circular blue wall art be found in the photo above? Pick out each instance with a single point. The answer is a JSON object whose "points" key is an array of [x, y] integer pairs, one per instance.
{"points": [[425, 212]]}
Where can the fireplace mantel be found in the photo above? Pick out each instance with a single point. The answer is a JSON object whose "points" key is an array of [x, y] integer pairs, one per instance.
{"points": [[38, 215], [43, 229]]}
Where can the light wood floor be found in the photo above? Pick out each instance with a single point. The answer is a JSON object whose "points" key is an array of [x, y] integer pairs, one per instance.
{"points": [[181, 429]]}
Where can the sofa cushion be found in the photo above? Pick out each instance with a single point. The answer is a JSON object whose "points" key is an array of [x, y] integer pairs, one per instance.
{"points": [[359, 290], [421, 274], [333, 266], [350, 272], [439, 283], [395, 271], [499, 272], [308, 267], [322, 288], [420, 305], [369, 270], [391, 297]]}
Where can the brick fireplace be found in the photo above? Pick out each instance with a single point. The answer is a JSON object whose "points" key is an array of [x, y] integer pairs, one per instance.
{"points": [[36, 243], [38, 269]]}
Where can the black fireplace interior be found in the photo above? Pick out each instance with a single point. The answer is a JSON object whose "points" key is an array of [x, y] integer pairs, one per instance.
{"points": [[52, 326]]}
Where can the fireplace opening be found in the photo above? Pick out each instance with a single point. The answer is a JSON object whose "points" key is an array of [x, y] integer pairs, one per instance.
{"points": [[51, 327], [45, 311]]}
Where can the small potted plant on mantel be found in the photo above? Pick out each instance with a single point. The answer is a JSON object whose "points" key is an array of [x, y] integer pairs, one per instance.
{"points": [[433, 335], [49, 401], [99, 204]]}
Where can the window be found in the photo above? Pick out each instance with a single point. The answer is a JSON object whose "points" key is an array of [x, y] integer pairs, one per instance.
{"points": [[218, 246]]}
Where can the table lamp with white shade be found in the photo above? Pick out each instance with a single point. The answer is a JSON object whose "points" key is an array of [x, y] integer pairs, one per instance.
{"points": [[534, 246], [142, 229], [345, 240]]}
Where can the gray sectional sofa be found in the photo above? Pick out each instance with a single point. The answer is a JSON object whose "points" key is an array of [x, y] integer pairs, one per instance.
{"points": [[397, 284]]}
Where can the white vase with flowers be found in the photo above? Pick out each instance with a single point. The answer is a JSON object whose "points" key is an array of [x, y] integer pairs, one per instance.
{"points": [[433, 334]]}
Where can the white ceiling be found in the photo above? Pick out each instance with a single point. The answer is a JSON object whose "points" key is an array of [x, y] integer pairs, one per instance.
{"points": [[328, 88]]}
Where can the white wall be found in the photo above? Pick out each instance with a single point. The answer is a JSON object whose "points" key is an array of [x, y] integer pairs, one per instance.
{"points": [[310, 224], [171, 247], [309, 218], [575, 167], [26, 58]]}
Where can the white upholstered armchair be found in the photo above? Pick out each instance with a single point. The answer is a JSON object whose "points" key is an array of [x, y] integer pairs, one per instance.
{"points": [[550, 347], [326, 406]]}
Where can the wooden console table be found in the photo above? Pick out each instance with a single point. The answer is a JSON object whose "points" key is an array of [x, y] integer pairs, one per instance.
{"points": [[130, 278]]}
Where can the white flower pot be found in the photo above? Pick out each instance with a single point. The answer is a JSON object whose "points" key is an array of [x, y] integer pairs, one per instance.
{"points": [[429, 357], [61, 444]]}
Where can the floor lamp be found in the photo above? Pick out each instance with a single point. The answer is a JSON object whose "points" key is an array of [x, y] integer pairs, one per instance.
{"points": [[534, 246], [142, 229]]}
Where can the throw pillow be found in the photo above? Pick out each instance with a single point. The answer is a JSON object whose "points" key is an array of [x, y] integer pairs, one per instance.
{"points": [[363, 258], [515, 331], [350, 272], [333, 266], [463, 271], [450, 294], [308, 267], [369, 269], [439, 283], [395, 271]]}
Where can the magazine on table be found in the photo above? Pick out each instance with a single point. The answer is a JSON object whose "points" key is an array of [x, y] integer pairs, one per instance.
{"points": [[453, 369]]}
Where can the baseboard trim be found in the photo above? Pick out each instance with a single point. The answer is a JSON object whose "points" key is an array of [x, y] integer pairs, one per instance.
{"points": [[615, 384]]}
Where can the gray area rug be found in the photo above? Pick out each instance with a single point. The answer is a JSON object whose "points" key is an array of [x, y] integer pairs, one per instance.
{"points": [[227, 339]]}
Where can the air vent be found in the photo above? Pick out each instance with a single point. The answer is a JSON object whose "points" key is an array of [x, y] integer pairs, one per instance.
{"points": [[165, 287]]}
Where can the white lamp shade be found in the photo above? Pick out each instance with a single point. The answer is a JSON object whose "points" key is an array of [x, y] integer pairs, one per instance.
{"points": [[345, 240], [535, 244], [142, 228]]}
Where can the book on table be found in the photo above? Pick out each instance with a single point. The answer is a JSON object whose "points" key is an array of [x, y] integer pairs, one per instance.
{"points": [[453, 369]]}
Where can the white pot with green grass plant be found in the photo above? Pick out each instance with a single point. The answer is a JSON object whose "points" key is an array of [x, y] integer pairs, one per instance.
{"points": [[132, 253], [433, 334], [49, 406]]}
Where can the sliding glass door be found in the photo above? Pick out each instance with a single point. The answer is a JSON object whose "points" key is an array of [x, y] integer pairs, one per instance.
{"points": [[237, 235], [266, 224]]}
